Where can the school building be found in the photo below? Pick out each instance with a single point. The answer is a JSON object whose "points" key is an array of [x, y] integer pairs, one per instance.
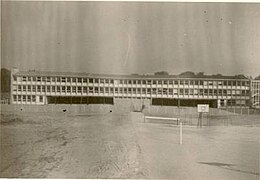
{"points": [[37, 87]]}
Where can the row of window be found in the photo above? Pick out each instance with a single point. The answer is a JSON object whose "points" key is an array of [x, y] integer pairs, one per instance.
{"points": [[75, 89], [148, 82], [27, 98]]}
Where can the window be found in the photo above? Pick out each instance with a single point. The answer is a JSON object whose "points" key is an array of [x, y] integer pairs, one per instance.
{"points": [[186, 82], [79, 80], [139, 82], [38, 79], [154, 90], [79, 89], [68, 89], [14, 97], [102, 81], [33, 98], [24, 98], [96, 89], [181, 91], [73, 80], [181, 82], [14, 88], [38, 88], [53, 79], [229, 83], [170, 82], [29, 79], [43, 88], [90, 89], [24, 78], [63, 89], [74, 89], [58, 79], [210, 83], [134, 91], [170, 91], [107, 81], [143, 91], [186, 91], [48, 89], [176, 82], [58, 89], [63, 79], [191, 91], [34, 88], [53, 89], [149, 91], [116, 90], [24, 88], [15, 78], [159, 91], [101, 90], [19, 98], [195, 91], [41, 99], [96, 80], [154, 82], [210, 92], [84, 80], [165, 82], [159, 82], [191, 82], [149, 82], [106, 90], [134, 81], [43, 79], [19, 88], [111, 90], [85, 89], [48, 79], [165, 91], [144, 82], [90, 80]]}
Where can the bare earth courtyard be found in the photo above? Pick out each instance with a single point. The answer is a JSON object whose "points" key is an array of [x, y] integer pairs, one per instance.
{"points": [[113, 145]]}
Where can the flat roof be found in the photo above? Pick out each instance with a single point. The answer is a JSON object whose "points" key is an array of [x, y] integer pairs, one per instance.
{"points": [[122, 76]]}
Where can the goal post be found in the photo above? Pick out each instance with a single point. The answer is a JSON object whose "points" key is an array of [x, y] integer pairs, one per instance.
{"points": [[179, 123]]}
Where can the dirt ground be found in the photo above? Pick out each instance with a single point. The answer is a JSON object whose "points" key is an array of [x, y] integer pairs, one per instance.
{"points": [[111, 145]]}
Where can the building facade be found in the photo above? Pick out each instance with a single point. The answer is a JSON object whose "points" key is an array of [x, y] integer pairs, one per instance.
{"points": [[82, 88], [255, 96]]}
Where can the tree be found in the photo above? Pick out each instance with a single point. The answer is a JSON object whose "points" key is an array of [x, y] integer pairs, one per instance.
{"points": [[165, 73], [257, 78], [187, 74], [200, 74], [240, 76]]}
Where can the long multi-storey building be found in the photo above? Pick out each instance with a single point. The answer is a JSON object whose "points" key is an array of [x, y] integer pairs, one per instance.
{"points": [[255, 93], [35, 87]]}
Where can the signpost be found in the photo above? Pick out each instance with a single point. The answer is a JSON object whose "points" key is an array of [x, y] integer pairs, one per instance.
{"points": [[201, 108]]}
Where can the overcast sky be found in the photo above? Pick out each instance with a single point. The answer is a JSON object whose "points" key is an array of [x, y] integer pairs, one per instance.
{"points": [[130, 37]]}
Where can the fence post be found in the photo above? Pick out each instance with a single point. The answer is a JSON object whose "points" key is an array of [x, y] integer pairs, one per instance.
{"points": [[180, 132]]}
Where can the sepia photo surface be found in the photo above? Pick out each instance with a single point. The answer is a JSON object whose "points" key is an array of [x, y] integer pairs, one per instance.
{"points": [[130, 90]]}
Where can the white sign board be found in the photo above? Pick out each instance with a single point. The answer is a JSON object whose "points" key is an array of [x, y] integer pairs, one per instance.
{"points": [[203, 108]]}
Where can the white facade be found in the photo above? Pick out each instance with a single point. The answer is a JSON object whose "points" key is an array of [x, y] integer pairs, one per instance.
{"points": [[36, 87]]}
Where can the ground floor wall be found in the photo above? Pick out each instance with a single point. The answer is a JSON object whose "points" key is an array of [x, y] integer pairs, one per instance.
{"points": [[129, 103]]}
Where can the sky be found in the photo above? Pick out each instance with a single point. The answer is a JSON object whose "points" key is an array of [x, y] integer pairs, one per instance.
{"points": [[132, 37]]}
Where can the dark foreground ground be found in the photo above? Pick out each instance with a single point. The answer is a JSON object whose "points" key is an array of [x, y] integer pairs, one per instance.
{"points": [[60, 145]]}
